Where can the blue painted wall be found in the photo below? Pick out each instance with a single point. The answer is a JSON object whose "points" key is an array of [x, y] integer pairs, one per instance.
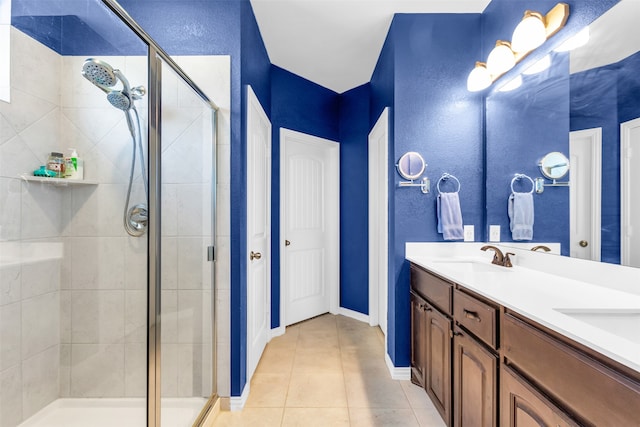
{"points": [[354, 199], [433, 114], [436, 116], [301, 105]]}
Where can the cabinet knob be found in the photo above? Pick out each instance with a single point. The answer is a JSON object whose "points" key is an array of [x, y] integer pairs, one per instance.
{"points": [[287, 243], [255, 255], [583, 243]]}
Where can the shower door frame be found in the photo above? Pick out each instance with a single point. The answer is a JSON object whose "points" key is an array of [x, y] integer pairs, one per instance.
{"points": [[156, 57]]}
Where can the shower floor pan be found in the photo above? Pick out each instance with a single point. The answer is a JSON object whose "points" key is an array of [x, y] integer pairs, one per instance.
{"points": [[125, 412]]}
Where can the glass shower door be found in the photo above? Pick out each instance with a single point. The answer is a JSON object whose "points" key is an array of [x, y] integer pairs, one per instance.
{"points": [[187, 230]]}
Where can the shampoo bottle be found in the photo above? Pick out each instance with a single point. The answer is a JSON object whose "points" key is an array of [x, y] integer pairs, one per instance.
{"points": [[75, 168]]}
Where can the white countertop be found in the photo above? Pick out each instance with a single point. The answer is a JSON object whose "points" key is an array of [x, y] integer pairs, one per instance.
{"points": [[539, 296]]}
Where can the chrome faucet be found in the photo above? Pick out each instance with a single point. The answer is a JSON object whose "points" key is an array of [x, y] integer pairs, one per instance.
{"points": [[498, 258], [543, 247]]}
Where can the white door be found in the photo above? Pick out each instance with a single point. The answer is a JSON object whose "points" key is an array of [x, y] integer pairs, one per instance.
{"points": [[585, 152], [378, 221], [630, 203], [258, 230], [310, 250]]}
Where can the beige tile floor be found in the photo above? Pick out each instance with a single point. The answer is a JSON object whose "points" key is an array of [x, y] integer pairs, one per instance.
{"points": [[330, 371]]}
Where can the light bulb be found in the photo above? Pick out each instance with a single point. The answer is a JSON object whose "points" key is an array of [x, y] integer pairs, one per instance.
{"points": [[539, 66], [479, 78], [501, 59], [580, 39], [530, 33], [511, 85]]}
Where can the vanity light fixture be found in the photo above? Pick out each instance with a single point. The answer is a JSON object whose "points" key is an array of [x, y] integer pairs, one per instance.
{"points": [[539, 66], [507, 54], [479, 78], [530, 32], [580, 39], [501, 59]]}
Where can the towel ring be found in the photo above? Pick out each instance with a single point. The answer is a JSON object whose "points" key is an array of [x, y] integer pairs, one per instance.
{"points": [[444, 177], [519, 176]]}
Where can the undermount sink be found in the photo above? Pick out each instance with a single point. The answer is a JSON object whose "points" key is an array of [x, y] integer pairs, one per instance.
{"points": [[624, 323], [473, 266]]}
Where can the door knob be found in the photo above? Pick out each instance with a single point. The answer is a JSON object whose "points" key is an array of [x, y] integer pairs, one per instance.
{"points": [[583, 243], [255, 255], [287, 243]]}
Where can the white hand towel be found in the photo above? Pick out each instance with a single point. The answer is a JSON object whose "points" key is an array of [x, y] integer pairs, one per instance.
{"points": [[520, 209], [449, 216]]}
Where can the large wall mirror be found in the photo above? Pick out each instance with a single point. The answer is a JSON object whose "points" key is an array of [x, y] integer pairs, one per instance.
{"points": [[586, 105]]}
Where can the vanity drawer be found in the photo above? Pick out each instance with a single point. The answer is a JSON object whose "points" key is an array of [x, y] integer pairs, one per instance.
{"points": [[431, 287], [593, 392], [476, 316]]}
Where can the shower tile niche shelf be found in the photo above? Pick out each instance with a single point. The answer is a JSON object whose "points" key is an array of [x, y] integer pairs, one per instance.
{"points": [[59, 182]]}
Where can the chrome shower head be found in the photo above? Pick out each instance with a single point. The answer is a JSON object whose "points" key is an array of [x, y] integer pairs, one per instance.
{"points": [[99, 73], [119, 100]]}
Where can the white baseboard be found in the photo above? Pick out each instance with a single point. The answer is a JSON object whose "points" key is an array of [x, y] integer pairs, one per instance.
{"points": [[276, 332], [236, 403], [403, 373], [354, 314]]}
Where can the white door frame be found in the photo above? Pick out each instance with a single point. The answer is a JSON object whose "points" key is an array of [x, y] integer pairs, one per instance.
{"points": [[595, 142], [378, 218], [255, 112], [333, 220], [626, 188]]}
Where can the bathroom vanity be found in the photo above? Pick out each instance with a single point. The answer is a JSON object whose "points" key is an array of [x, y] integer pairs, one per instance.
{"points": [[517, 346]]}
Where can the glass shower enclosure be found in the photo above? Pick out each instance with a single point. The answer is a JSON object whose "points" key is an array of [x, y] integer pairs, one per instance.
{"points": [[106, 281]]}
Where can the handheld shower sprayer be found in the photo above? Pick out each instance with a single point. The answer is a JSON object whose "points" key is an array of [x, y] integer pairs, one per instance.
{"points": [[105, 77]]}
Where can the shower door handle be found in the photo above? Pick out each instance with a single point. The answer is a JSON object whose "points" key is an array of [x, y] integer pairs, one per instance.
{"points": [[255, 255]]}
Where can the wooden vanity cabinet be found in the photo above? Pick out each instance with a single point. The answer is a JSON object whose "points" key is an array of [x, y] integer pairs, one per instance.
{"points": [[502, 368], [438, 362], [521, 405], [584, 383], [431, 353], [475, 382]]}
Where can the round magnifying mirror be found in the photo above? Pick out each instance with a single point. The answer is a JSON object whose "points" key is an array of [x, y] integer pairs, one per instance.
{"points": [[554, 165], [411, 165]]}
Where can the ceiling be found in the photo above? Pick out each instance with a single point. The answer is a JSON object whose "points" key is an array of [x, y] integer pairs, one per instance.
{"points": [[336, 43]]}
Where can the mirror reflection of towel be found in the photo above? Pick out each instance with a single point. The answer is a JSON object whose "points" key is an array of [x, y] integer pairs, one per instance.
{"points": [[520, 209], [449, 216]]}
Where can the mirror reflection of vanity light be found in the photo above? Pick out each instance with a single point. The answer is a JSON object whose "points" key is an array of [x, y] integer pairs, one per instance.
{"points": [[512, 84], [580, 39], [539, 66], [553, 166], [411, 166]]}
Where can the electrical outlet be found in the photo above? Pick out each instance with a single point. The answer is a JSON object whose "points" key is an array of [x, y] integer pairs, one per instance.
{"points": [[469, 234], [494, 233]]}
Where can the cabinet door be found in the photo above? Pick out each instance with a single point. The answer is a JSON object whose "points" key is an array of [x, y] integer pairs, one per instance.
{"points": [[521, 405], [438, 363], [418, 339], [475, 383]]}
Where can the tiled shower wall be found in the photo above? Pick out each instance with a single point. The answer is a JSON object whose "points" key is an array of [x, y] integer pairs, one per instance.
{"points": [[79, 321], [29, 214]]}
